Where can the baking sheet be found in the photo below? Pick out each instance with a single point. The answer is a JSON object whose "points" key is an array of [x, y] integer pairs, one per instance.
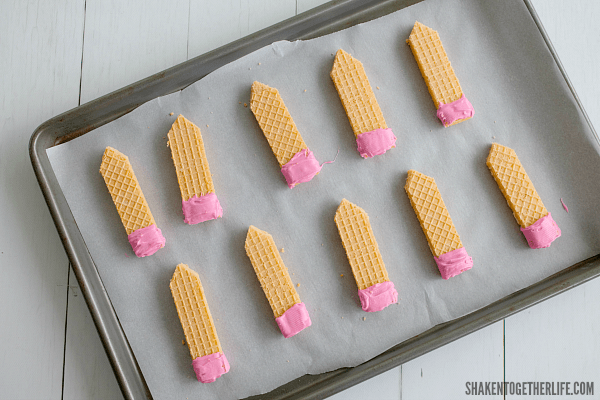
{"points": [[520, 100]]}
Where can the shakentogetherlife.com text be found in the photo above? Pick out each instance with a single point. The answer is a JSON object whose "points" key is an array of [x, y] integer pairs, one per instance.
{"points": [[530, 388]]}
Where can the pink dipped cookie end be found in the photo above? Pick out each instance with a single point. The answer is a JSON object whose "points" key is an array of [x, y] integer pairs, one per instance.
{"points": [[146, 241], [378, 296], [375, 142], [542, 233], [208, 368], [452, 112], [199, 209], [453, 263], [301, 168], [293, 320]]}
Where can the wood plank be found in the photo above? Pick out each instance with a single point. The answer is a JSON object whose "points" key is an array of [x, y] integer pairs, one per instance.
{"points": [[304, 5], [124, 42], [131, 40], [443, 373], [574, 31], [213, 24], [557, 340], [88, 374], [40, 60]]}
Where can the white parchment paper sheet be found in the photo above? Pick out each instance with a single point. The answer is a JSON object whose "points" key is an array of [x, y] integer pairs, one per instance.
{"points": [[520, 100]]}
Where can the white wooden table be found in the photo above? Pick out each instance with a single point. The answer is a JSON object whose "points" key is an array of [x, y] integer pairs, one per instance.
{"points": [[56, 55]]}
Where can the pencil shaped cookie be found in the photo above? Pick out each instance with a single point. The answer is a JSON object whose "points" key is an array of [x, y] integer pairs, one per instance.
{"points": [[536, 222], [143, 234], [444, 242], [298, 164], [448, 97], [199, 201], [375, 289], [290, 313], [209, 362], [373, 137]]}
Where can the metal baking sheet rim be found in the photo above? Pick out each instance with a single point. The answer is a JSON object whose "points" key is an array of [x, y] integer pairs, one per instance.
{"points": [[330, 17]]}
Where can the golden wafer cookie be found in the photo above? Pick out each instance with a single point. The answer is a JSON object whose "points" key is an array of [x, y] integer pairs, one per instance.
{"points": [[444, 242], [209, 362], [290, 313], [375, 289], [298, 164], [276, 122], [446, 93], [143, 234], [373, 137], [199, 201], [536, 222]]}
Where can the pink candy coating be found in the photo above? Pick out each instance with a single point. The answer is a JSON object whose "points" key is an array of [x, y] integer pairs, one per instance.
{"points": [[146, 241], [208, 368], [293, 320], [375, 142], [458, 109], [542, 233], [301, 168], [199, 209], [453, 262], [378, 296]]}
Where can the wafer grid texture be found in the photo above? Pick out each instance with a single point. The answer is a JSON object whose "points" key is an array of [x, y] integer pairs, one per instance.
{"points": [[356, 94], [517, 188], [360, 245], [432, 213], [270, 270], [192, 308], [435, 67], [189, 157], [125, 191], [276, 122]]}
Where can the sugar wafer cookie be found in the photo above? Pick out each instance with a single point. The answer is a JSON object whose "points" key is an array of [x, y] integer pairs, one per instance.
{"points": [[375, 289], [199, 201], [444, 242], [373, 137], [209, 361], [143, 234], [290, 313], [446, 93], [298, 164], [536, 222]]}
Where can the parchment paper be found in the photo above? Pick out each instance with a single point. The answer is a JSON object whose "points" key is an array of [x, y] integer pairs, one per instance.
{"points": [[520, 100]]}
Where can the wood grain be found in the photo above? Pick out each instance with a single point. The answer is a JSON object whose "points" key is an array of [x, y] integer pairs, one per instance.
{"points": [[124, 42], [40, 56], [557, 339], [127, 41], [88, 374], [304, 5], [215, 23], [443, 373]]}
